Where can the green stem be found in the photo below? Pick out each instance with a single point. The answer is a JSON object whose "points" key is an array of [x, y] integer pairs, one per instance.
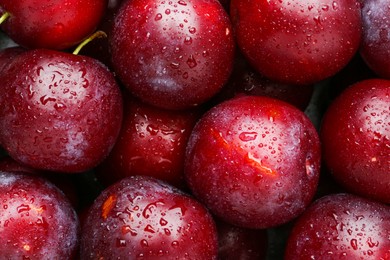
{"points": [[4, 17], [97, 34]]}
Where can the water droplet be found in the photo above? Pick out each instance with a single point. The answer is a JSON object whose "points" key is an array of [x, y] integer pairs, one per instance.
{"points": [[167, 231], [174, 65], [163, 222], [153, 130], [144, 243], [247, 136], [167, 11], [158, 17], [59, 106], [354, 244], [175, 243], [23, 208], [187, 40], [191, 62], [120, 242], [149, 229], [192, 30], [182, 2], [45, 99], [127, 229]]}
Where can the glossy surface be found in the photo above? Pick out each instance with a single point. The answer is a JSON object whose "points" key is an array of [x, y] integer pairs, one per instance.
{"points": [[140, 217], [375, 46], [355, 137], [254, 161], [51, 24], [36, 220], [152, 142], [297, 41], [179, 55], [341, 226], [60, 112]]}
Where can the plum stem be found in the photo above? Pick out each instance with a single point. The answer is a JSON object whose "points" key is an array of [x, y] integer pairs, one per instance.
{"points": [[4, 17], [97, 34]]}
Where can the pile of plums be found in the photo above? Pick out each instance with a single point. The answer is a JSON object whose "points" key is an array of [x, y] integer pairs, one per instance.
{"points": [[195, 129]]}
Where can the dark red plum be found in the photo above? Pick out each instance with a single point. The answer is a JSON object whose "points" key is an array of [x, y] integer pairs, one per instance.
{"points": [[254, 161], [341, 226], [59, 112], [51, 24], [355, 135], [141, 217], [172, 54], [375, 46], [36, 219], [297, 41], [152, 142]]}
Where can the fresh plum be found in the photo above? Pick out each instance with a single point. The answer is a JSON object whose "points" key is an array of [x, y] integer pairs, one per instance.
{"points": [[152, 142], [141, 217], [375, 44], [36, 219], [51, 24], [355, 135], [341, 226], [172, 54], [59, 111], [254, 161], [297, 41]]}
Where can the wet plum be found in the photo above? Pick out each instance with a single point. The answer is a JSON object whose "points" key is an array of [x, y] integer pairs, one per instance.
{"points": [[254, 161], [341, 226], [59, 111], [141, 217], [375, 46], [36, 219], [51, 24], [172, 54], [355, 135], [297, 41], [152, 142]]}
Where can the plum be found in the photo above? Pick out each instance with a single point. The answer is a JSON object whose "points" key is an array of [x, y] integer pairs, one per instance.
{"points": [[355, 135], [254, 161], [141, 217], [341, 226], [36, 219], [59, 111]]}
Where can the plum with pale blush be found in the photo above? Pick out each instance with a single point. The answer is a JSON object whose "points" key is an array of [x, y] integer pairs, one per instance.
{"points": [[298, 41], [180, 54], [60, 112], [341, 226], [355, 135], [142, 217], [254, 161], [37, 220], [152, 142], [375, 45], [51, 24]]}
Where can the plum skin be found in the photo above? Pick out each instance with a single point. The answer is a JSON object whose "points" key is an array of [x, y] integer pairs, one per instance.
{"points": [[45, 24], [152, 142], [143, 217], [36, 219], [341, 226], [253, 161], [359, 120], [179, 56], [59, 111], [298, 41], [375, 41]]}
